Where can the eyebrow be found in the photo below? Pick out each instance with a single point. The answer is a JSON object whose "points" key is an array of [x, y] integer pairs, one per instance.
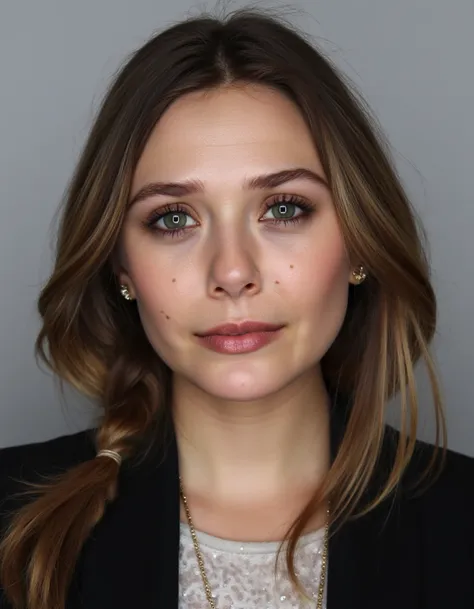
{"points": [[189, 187]]}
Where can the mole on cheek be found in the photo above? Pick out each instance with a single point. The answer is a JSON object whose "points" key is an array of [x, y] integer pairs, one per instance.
{"points": [[276, 281], [291, 266], [174, 280]]}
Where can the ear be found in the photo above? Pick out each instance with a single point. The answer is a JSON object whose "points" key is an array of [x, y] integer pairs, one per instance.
{"points": [[125, 279], [122, 275]]}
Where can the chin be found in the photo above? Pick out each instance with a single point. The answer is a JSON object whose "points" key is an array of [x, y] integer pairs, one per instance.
{"points": [[241, 386], [242, 394]]}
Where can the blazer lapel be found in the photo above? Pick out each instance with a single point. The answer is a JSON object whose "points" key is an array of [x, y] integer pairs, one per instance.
{"points": [[374, 560]]}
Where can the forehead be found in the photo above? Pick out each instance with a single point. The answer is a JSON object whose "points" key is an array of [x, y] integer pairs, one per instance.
{"points": [[227, 133]]}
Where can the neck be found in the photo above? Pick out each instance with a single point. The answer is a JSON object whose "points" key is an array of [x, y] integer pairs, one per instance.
{"points": [[263, 449]]}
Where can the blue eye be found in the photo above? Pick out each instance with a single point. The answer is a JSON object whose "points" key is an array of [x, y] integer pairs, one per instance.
{"points": [[174, 218], [286, 209]]}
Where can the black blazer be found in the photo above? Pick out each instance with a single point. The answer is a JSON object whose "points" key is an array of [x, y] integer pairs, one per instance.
{"points": [[409, 553]]}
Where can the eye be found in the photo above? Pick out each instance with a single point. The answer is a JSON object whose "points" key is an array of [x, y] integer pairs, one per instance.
{"points": [[288, 209], [174, 220], [170, 220]]}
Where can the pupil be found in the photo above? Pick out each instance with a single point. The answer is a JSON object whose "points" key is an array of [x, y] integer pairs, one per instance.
{"points": [[175, 221], [285, 210]]}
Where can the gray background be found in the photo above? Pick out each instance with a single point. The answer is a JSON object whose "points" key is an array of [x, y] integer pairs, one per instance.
{"points": [[413, 61]]}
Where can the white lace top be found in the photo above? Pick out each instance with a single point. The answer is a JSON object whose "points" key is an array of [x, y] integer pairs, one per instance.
{"points": [[241, 574]]}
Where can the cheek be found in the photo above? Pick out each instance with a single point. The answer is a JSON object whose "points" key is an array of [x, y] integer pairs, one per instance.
{"points": [[329, 278], [320, 273], [319, 285], [154, 272], [160, 289], [166, 291], [153, 282], [160, 307]]}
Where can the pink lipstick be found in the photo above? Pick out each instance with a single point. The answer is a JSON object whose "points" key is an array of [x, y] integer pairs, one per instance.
{"points": [[242, 337]]}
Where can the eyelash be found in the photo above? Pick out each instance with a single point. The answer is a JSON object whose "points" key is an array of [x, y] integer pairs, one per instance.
{"points": [[155, 216]]}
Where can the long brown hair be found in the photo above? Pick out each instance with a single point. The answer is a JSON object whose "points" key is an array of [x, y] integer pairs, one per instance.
{"points": [[92, 339]]}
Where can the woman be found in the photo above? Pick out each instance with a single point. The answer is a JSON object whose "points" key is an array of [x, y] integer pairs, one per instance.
{"points": [[240, 284]]}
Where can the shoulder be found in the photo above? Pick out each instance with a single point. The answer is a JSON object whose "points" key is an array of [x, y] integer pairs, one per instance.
{"points": [[458, 468], [60, 452], [32, 462], [447, 489]]}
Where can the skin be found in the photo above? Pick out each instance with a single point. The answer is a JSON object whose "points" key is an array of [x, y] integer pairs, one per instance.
{"points": [[252, 429]]}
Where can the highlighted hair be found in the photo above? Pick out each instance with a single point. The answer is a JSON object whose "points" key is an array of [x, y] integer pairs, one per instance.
{"points": [[92, 339]]}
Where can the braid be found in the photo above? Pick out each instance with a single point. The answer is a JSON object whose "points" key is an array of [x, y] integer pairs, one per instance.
{"points": [[44, 538]]}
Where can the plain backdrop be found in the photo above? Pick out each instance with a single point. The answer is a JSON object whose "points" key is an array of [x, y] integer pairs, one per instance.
{"points": [[413, 62]]}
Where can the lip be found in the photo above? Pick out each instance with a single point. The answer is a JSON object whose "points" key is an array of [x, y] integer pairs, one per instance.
{"points": [[238, 343], [239, 337], [240, 328]]}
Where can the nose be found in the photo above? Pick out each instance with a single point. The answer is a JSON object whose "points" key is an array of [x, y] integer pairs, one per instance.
{"points": [[234, 271]]}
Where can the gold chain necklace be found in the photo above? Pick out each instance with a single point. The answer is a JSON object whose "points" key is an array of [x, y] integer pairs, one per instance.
{"points": [[205, 581]]}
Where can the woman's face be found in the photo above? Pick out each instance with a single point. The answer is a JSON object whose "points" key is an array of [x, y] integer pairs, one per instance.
{"points": [[223, 244]]}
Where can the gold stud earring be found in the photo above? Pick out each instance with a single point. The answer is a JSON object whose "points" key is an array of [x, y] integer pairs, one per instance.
{"points": [[359, 274], [125, 292]]}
